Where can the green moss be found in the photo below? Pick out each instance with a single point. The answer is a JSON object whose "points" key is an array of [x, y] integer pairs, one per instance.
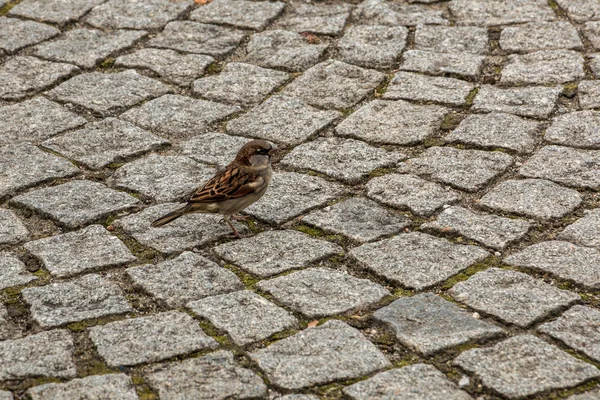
{"points": [[108, 63], [247, 279], [431, 142], [141, 252], [6, 8], [310, 231], [570, 90], [83, 325], [214, 68], [471, 97], [380, 172], [115, 165], [489, 262], [220, 337], [142, 389], [347, 111], [450, 122]]}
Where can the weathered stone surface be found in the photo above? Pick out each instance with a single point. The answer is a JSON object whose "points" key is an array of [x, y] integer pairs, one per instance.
{"points": [[535, 198], [590, 395], [5, 395], [212, 377], [106, 93], [525, 365], [580, 10], [185, 278], [137, 14], [327, 19], [16, 33], [512, 296], [334, 84], [297, 397], [417, 260], [7, 330], [500, 12], [46, 354], [584, 231], [71, 253], [244, 315], [100, 143], [410, 192], [372, 46], [451, 39], [540, 36], [461, 64], [176, 116], [12, 230], [76, 203], [239, 13], [13, 271], [393, 122], [411, 86], [543, 68], [592, 33], [110, 386], [180, 69], [381, 12], [240, 83], [577, 129], [589, 94], [332, 351], [56, 11], [282, 119], [536, 102], [213, 148]]}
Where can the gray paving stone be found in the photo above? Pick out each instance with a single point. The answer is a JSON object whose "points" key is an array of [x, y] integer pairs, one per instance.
{"points": [[244, 315], [329, 352], [75, 252], [109, 386], [590, 395], [563, 259], [372, 46], [334, 84], [284, 49], [580, 10], [213, 148], [500, 12], [87, 47], [461, 64], [239, 13], [297, 397], [194, 37], [163, 178], [23, 165], [543, 67], [584, 231], [413, 382], [149, 339], [176, 116], [512, 296], [23, 76], [35, 120], [540, 36], [180, 69], [272, 252], [589, 94], [594, 63], [76, 203], [326, 19], [100, 143], [107, 93], [381, 12], [215, 376], [497, 130], [468, 170], [451, 39], [5, 395], [185, 278], [148, 14], [46, 354], [240, 83], [56, 11], [13, 272], [537, 102], [16, 33], [7, 329], [282, 119], [291, 194], [393, 122], [319, 292], [525, 365], [411, 86], [12, 230], [410, 192], [577, 129], [592, 32]]}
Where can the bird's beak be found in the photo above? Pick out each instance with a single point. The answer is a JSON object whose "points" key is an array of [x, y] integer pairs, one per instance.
{"points": [[273, 151]]}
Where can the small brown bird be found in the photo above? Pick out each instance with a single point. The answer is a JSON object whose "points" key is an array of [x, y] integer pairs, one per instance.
{"points": [[232, 189]]}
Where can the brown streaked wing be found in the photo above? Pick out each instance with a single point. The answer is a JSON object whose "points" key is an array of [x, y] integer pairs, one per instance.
{"points": [[230, 183]]}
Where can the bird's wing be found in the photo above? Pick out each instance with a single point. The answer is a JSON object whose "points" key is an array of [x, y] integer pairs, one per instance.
{"points": [[229, 183]]}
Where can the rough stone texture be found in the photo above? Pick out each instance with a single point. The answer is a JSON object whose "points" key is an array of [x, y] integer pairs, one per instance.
{"points": [[334, 84], [589, 94], [536, 198], [410, 192], [326, 19], [414, 382], [46, 354], [101, 143], [451, 39], [497, 130], [110, 386], [584, 231], [577, 129], [239, 13], [106, 93], [411, 86], [590, 395], [500, 12], [185, 278], [176, 116], [76, 203], [536, 102], [180, 69], [213, 148], [372, 46], [56, 11], [7, 329], [13, 271], [298, 397], [393, 122], [592, 32], [540, 36], [16, 34], [381, 12], [212, 377], [24, 165], [149, 339], [75, 252], [87, 47], [23, 76], [194, 37], [358, 218], [319, 292], [525, 365], [282, 119], [332, 351], [136, 14], [461, 64], [580, 10], [244, 315], [240, 83], [512, 296], [416, 260], [272, 252], [543, 68], [12, 230]]}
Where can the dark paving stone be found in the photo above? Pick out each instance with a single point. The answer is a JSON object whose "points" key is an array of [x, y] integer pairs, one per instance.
{"points": [[147, 14], [240, 13]]}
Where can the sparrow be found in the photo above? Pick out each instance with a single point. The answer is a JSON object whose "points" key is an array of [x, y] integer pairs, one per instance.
{"points": [[233, 188]]}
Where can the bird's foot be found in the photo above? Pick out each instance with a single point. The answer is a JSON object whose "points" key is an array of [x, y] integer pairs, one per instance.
{"points": [[235, 231], [240, 217]]}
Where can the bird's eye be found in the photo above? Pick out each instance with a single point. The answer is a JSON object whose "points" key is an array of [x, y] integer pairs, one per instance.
{"points": [[263, 151]]}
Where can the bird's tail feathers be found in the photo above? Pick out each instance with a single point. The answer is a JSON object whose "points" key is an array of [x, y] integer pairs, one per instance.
{"points": [[173, 215]]}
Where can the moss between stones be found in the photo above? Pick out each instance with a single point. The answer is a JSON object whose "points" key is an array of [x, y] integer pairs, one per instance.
{"points": [[247, 279], [6, 8], [108, 63], [471, 97], [489, 262], [142, 389]]}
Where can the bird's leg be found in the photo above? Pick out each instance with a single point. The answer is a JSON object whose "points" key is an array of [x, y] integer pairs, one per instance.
{"points": [[235, 232], [240, 217]]}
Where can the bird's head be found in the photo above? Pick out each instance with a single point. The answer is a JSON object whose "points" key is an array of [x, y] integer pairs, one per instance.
{"points": [[255, 153]]}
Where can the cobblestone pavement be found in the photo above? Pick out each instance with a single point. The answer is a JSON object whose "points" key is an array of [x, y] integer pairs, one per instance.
{"points": [[432, 230]]}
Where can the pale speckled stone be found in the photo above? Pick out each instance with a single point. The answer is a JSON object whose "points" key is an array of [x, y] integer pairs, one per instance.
{"points": [[461, 64], [580, 10], [8, 330], [113, 386], [543, 68], [136, 14], [451, 39], [56, 11], [500, 12], [372, 46], [584, 231], [382, 12], [411, 86], [540, 36], [593, 394], [327, 19], [16, 33], [536, 102], [213, 148], [592, 33], [577, 129], [589, 94], [12, 230], [13, 272], [239, 13]]}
